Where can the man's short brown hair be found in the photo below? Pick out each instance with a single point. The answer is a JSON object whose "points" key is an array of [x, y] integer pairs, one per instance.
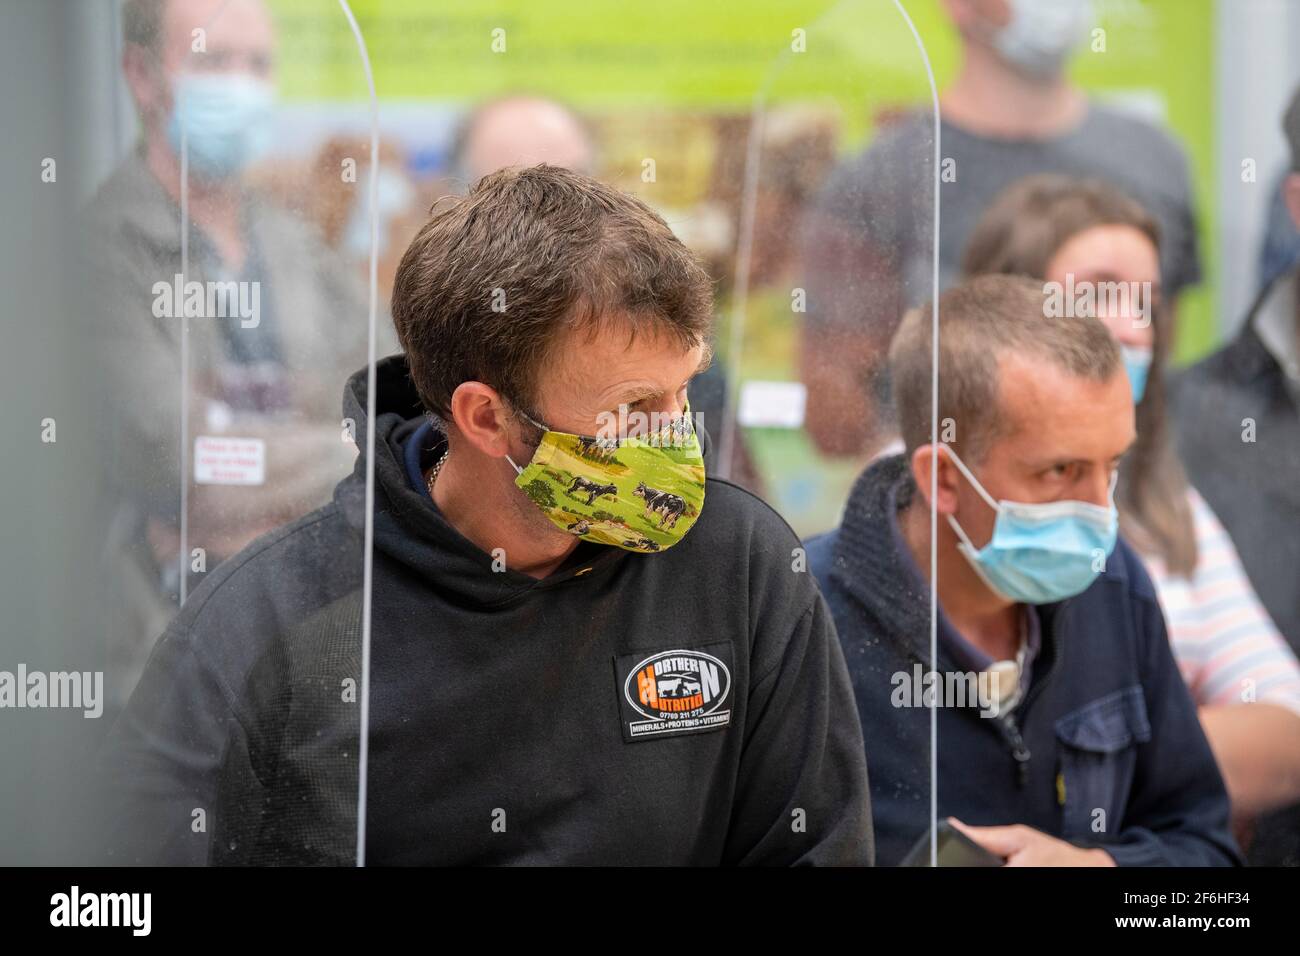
{"points": [[980, 321], [142, 23], [492, 281]]}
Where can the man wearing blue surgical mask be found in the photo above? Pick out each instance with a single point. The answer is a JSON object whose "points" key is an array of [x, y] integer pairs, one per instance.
{"points": [[218, 100], [1082, 746], [266, 369]]}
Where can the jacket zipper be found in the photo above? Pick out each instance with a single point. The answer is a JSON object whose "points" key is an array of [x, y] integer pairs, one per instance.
{"points": [[1011, 730], [1019, 751], [1007, 724]]}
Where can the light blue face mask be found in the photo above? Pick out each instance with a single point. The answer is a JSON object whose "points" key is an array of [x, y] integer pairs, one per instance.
{"points": [[1041, 553], [1137, 362], [226, 118]]}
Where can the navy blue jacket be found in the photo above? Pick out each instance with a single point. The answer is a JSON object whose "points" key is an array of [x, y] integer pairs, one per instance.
{"points": [[1104, 750]]}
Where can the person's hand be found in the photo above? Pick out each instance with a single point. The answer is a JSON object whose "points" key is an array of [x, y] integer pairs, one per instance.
{"points": [[1020, 845]]}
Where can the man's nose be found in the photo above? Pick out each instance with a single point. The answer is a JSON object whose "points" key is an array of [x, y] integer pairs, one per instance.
{"points": [[670, 409], [1098, 488]]}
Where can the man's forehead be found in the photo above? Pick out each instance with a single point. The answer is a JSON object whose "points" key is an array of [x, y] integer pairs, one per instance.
{"points": [[1053, 413], [607, 356], [234, 24], [1027, 385]]}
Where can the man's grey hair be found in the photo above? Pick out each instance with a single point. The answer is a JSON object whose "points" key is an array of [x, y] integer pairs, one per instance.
{"points": [[980, 321]]}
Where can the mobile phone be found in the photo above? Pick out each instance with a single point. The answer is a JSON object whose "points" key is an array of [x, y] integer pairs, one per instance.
{"points": [[952, 848]]}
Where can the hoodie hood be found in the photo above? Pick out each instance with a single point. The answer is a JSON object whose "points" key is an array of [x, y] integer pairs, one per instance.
{"points": [[409, 528]]}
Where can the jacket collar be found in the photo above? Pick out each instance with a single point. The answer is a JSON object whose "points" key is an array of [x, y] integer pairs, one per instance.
{"points": [[1271, 345], [868, 563]]}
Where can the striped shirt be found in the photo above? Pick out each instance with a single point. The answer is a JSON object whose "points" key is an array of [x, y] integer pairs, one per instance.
{"points": [[1227, 647]]}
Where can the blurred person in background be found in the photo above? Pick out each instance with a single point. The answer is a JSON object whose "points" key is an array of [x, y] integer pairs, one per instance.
{"points": [[520, 130], [1084, 748], [1010, 111], [203, 72], [344, 218], [1086, 235], [1279, 248], [1237, 414]]}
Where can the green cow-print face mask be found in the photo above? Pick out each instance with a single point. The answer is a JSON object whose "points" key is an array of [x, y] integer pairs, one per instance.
{"points": [[641, 493]]}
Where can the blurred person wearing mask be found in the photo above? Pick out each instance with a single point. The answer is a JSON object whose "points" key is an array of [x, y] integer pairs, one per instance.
{"points": [[1009, 112], [1088, 239], [1237, 415], [269, 375], [1238, 419], [572, 621], [1085, 748], [344, 218]]}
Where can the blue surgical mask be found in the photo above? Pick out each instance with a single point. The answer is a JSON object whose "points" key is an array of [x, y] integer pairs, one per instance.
{"points": [[1041, 553], [226, 118], [1137, 362]]}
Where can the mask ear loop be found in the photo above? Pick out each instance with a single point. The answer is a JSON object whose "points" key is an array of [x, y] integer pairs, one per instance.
{"points": [[971, 478], [529, 418], [532, 421], [1114, 482], [952, 522]]}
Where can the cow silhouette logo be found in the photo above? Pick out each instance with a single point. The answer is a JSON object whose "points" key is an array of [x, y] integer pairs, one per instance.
{"points": [[677, 691]]}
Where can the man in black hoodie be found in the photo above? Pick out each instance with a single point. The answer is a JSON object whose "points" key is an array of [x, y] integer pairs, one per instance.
{"points": [[572, 658]]}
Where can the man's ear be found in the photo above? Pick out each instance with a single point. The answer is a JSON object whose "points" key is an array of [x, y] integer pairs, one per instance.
{"points": [[923, 463], [142, 76], [482, 418], [1291, 193]]}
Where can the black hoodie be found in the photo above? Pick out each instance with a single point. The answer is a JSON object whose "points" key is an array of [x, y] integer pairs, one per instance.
{"points": [[511, 720]]}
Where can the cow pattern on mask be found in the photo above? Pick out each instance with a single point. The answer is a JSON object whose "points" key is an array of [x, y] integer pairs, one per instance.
{"points": [[641, 493]]}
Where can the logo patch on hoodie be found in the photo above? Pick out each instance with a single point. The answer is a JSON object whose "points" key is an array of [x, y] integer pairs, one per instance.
{"points": [[674, 692]]}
